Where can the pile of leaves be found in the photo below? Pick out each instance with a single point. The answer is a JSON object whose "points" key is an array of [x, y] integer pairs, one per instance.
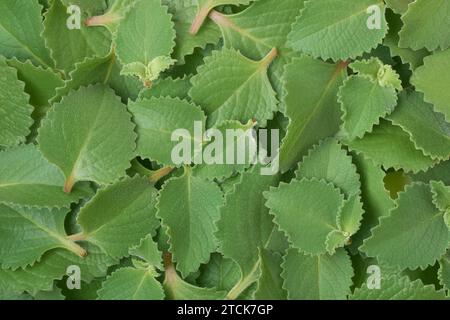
{"points": [[87, 179]]}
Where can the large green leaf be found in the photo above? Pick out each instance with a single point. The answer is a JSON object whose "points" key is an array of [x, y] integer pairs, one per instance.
{"points": [[324, 277], [337, 29], [89, 136], [21, 38], [230, 86], [119, 216], [431, 15], [28, 179], [311, 88], [157, 119], [189, 208], [15, 111], [413, 235], [145, 40]]}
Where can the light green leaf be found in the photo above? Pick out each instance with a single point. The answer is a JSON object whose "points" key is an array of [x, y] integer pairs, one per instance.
{"points": [[270, 284], [28, 179], [183, 13], [433, 81], [244, 210], [191, 229], [148, 251], [236, 146], [53, 266], [219, 273], [40, 83], [168, 87], [157, 119], [27, 233], [329, 162], [308, 211], [337, 29], [205, 6], [429, 131], [89, 136], [104, 70], [21, 38], [131, 284], [441, 195], [398, 6], [119, 216], [395, 287], [444, 271], [230, 86], [413, 235], [383, 74], [311, 88], [388, 145], [376, 200], [15, 111], [259, 28], [431, 16], [178, 289], [145, 34], [69, 46], [325, 277]]}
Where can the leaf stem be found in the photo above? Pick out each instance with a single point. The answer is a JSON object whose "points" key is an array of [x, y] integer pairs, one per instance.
{"points": [[68, 185], [77, 237], [75, 248], [159, 174], [268, 59], [200, 18]]}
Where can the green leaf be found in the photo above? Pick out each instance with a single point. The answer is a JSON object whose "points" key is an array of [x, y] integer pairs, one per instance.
{"points": [[270, 284], [383, 74], [21, 38], [395, 287], [40, 83], [89, 136], [431, 15], [325, 277], [399, 153], [242, 142], [168, 87], [148, 251], [244, 210], [15, 111], [413, 235], [308, 211], [131, 284], [157, 119], [27, 233], [178, 289], [441, 195], [375, 198], [310, 88], [433, 82], [69, 46], [230, 86], [363, 103], [119, 216], [259, 28], [104, 70], [52, 266], [190, 230], [28, 179], [329, 162], [429, 131], [398, 6], [219, 273], [183, 13], [337, 29], [440, 172], [145, 36], [444, 271]]}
